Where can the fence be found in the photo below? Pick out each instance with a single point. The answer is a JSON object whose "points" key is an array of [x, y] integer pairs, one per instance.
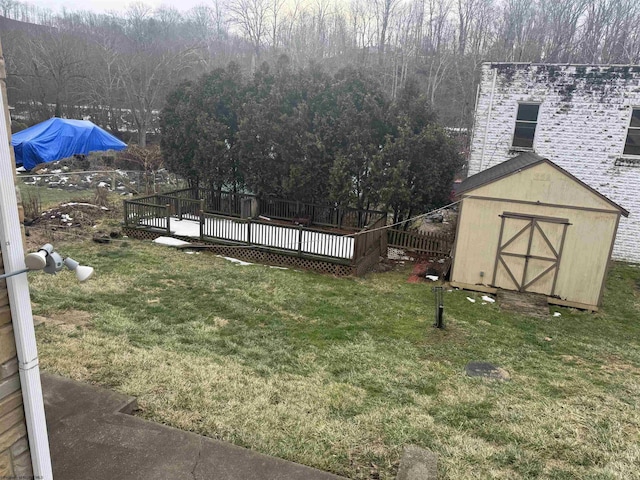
{"points": [[431, 244]]}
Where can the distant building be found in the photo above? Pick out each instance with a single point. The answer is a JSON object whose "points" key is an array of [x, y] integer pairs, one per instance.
{"points": [[585, 118]]}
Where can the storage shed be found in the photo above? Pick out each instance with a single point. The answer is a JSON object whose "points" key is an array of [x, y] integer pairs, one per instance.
{"points": [[528, 225]]}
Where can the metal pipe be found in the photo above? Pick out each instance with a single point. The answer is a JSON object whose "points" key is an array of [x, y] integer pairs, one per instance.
{"points": [[7, 275], [20, 304]]}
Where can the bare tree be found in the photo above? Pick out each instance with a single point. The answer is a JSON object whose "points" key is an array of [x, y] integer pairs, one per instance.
{"points": [[275, 9], [147, 67], [51, 69], [252, 18], [384, 9]]}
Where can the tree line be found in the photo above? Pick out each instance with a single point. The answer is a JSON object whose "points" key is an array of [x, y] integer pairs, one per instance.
{"points": [[117, 68], [306, 135]]}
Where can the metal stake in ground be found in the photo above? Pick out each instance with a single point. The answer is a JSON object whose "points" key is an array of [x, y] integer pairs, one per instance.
{"points": [[439, 303]]}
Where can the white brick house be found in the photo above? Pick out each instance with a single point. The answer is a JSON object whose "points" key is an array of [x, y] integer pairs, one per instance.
{"points": [[584, 118]]}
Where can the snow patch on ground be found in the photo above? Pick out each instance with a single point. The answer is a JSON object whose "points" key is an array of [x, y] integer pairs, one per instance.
{"points": [[235, 260], [170, 241]]}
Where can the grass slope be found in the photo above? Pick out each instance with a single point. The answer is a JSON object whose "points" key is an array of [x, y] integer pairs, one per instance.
{"points": [[341, 373]]}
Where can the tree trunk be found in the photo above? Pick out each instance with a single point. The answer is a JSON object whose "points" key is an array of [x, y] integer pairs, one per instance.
{"points": [[142, 136]]}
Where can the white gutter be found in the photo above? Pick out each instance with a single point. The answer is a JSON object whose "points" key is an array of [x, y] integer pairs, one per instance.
{"points": [[486, 129], [20, 302]]}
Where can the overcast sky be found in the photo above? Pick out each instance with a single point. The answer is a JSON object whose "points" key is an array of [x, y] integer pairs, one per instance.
{"points": [[111, 5]]}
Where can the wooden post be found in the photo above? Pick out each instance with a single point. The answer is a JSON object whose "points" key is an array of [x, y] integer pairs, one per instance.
{"points": [[248, 231], [339, 219], [168, 207], [126, 215], [179, 208], [201, 223], [300, 240]]}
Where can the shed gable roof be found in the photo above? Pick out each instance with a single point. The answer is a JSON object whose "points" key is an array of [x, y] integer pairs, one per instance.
{"points": [[518, 163]]}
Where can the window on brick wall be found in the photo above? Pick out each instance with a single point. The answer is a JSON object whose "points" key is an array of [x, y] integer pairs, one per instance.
{"points": [[632, 145], [526, 123]]}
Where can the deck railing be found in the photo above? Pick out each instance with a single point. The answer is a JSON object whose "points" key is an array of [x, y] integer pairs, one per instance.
{"points": [[246, 205], [222, 202], [295, 239], [146, 214]]}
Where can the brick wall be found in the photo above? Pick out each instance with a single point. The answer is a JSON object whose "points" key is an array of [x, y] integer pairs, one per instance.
{"points": [[15, 459], [582, 126]]}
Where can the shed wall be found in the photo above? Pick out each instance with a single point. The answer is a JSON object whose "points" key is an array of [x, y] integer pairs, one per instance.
{"points": [[582, 126], [584, 258]]}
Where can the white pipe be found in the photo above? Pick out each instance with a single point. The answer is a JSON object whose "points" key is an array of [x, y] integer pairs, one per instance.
{"points": [[486, 129], [20, 303]]}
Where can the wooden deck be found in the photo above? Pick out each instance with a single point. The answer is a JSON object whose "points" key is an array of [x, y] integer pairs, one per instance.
{"points": [[334, 240]]}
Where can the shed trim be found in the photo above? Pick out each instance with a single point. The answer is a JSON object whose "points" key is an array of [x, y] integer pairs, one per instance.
{"points": [[522, 162], [526, 216], [541, 204]]}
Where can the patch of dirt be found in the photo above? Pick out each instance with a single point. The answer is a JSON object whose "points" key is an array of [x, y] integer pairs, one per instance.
{"points": [[615, 364], [432, 267], [75, 318], [573, 359], [528, 304], [79, 219]]}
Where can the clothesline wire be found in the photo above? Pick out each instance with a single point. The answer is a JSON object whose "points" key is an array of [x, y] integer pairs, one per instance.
{"points": [[401, 222]]}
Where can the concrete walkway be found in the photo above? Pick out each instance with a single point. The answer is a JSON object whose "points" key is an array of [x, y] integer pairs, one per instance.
{"points": [[92, 436]]}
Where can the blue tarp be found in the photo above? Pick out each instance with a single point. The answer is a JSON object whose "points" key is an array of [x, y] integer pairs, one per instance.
{"points": [[59, 138]]}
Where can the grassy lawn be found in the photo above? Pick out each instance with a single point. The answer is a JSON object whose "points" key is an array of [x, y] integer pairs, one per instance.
{"points": [[340, 374]]}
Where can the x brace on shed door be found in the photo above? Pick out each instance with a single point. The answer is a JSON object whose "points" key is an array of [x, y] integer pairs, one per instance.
{"points": [[529, 252]]}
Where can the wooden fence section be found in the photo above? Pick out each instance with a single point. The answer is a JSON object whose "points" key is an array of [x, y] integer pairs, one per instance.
{"points": [[296, 239], [432, 244], [371, 244]]}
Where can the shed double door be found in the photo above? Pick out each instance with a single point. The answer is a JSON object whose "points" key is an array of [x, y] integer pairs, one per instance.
{"points": [[529, 253]]}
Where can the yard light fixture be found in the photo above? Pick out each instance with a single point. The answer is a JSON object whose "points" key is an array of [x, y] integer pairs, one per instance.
{"points": [[82, 271], [51, 262]]}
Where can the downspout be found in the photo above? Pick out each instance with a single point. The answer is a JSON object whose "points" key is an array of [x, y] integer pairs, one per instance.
{"points": [[20, 304], [486, 129]]}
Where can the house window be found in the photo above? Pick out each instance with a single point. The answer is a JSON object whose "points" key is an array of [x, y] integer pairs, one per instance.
{"points": [[526, 122], [632, 145]]}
